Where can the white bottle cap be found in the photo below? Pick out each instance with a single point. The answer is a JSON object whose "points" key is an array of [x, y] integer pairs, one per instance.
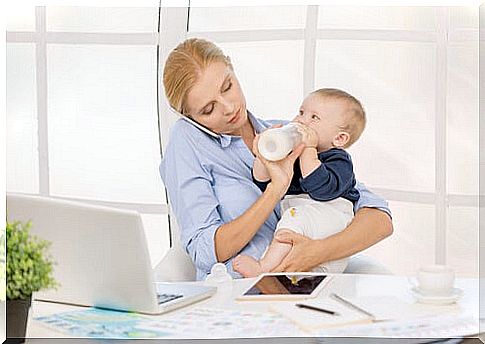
{"points": [[218, 274]]}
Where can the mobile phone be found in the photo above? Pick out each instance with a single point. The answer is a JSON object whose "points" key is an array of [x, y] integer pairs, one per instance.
{"points": [[197, 124]]}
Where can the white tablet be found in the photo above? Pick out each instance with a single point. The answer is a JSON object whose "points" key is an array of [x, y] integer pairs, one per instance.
{"points": [[286, 286]]}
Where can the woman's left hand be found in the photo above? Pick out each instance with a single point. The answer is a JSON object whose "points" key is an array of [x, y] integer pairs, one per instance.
{"points": [[304, 255]]}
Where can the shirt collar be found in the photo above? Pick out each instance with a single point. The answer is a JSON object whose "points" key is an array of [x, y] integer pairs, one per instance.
{"points": [[225, 140], [258, 125]]}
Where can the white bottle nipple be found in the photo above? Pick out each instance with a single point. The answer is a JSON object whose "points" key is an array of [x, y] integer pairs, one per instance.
{"points": [[276, 143], [218, 274]]}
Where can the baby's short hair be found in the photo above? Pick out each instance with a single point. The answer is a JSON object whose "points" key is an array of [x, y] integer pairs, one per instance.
{"points": [[355, 115]]}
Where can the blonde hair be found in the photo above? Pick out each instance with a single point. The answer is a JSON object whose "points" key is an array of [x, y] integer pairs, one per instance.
{"points": [[183, 67], [355, 115]]}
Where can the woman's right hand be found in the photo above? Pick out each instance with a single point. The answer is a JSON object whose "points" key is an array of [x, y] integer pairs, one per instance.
{"points": [[280, 172]]}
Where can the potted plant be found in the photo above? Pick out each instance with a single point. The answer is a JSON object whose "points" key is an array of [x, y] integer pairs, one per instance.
{"points": [[29, 269]]}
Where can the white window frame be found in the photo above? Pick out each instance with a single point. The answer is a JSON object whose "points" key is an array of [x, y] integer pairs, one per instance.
{"points": [[41, 37]]}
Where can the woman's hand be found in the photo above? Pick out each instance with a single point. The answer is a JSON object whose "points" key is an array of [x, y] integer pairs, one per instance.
{"points": [[368, 227], [280, 172], [304, 255]]}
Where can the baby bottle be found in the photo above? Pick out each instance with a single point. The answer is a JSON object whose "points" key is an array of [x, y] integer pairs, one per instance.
{"points": [[219, 277], [218, 274], [276, 143]]}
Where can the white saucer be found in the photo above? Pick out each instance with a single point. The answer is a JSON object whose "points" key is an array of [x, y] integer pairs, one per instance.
{"points": [[452, 297]]}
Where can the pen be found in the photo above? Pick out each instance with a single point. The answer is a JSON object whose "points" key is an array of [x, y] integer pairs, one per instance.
{"points": [[351, 305], [318, 309]]}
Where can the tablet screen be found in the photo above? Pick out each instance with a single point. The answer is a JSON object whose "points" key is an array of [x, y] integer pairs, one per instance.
{"points": [[293, 284]]}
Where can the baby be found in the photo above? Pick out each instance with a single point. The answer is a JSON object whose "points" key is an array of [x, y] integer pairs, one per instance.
{"points": [[320, 199]]}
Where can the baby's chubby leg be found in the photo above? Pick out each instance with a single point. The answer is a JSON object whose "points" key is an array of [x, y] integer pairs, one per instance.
{"points": [[276, 252], [249, 267]]}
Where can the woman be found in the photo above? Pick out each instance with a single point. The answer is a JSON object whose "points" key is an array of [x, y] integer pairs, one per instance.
{"points": [[220, 211]]}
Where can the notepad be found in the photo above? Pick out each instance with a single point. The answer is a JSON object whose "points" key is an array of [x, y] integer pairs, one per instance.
{"points": [[310, 320]]}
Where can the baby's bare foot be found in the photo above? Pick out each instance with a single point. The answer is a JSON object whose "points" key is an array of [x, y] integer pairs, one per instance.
{"points": [[247, 266]]}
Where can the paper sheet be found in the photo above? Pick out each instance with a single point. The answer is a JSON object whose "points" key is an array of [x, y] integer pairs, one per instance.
{"points": [[310, 320], [97, 323], [219, 323], [449, 326], [194, 323], [392, 308]]}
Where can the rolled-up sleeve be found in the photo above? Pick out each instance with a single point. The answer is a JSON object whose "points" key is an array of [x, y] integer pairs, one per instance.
{"points": [[192, 198], [368, 199]]}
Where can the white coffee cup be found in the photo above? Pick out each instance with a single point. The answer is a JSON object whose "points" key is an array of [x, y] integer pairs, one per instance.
{"points": [[435, 279]]}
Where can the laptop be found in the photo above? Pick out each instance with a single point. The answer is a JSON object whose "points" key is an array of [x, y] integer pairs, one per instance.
{"points": [[101, 257]]}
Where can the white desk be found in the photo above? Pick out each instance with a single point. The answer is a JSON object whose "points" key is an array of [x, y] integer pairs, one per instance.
{"points": [[346, 285]]}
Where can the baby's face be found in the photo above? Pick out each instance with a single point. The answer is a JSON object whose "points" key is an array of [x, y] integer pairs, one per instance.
{"points": [[325, 115]]}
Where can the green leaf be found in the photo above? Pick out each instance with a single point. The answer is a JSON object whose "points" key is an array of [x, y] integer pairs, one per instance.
{"points": [[29, 267]]}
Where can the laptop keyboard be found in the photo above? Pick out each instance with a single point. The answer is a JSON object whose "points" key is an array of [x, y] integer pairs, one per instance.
{"points": [[164, 298]]}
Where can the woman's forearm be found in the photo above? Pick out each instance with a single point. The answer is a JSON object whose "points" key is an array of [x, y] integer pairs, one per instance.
{"points": [[231, 237], [368, 227]]}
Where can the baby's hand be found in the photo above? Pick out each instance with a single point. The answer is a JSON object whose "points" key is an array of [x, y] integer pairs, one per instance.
{"points": [[309, 135]]}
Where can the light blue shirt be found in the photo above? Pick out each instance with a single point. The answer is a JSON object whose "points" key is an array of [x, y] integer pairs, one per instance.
{"points": [[209, 183]]}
